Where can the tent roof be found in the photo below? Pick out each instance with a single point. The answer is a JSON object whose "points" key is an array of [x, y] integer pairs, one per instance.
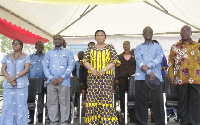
{"points": [[127, 18], [15, 32]]}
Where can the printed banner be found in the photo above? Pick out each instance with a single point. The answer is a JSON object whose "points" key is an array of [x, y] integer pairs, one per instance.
{"points": [[75, 48]]}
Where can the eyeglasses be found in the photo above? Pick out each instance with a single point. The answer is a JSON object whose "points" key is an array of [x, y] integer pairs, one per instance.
{"points": [[15, 44], [57, 39], [148, 32]]}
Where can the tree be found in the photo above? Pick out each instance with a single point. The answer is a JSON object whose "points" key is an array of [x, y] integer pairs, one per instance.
{"points": [[6, 46]]}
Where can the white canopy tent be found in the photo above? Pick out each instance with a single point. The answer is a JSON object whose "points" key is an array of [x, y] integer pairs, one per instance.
{"points": [[126, 18], [120, 21]]}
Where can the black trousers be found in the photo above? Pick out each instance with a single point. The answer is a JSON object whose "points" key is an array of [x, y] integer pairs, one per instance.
{"points": [[142, 101], [189, 104], [123, 86], [40, 109], [31, 115]]}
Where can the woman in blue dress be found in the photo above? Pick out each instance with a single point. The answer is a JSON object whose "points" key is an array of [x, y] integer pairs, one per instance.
{"points": [[15, 66]]}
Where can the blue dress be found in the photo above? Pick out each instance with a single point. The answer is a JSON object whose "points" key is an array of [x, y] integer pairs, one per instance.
{"points": [[15, 108]]}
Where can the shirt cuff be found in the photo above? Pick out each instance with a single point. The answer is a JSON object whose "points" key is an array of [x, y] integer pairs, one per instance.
{"points": [[50, 77], [65, 76], [149, 65], [148, 71]]}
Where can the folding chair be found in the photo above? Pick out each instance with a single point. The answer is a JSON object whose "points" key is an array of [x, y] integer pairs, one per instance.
{"points": [[82, 103], [35, 89], [171, 95], [130, 97], [74, 84], [1, 96]]}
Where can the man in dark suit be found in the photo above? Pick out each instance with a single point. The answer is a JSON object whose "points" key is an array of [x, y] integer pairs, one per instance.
{"points": [[122, 72]]}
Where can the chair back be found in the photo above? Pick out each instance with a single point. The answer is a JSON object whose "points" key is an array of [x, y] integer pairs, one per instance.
{"points": [[36, 86], [171, 92], [131, 88], [74, 84]]}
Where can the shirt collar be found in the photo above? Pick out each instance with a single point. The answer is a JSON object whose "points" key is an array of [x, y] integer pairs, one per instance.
{"points": [[124, 52], [146, 43], [37, 54], [181, 42], [61, 48]]}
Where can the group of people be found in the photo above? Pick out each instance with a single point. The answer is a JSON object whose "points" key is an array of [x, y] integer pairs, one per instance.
{"points": [[54, 67], [145, 62]]}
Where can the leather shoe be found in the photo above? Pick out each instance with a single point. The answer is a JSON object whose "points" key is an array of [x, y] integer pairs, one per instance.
{"points": [[176, 119], [30, 121], [132, 121], [39, 120], [171, 115]]}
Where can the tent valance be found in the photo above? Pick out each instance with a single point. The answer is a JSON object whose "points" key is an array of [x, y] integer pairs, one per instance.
{"points": [[14, 32], [79, 2]]}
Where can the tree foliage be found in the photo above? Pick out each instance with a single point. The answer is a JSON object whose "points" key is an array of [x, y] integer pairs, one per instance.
{"points": [[6, 46]]}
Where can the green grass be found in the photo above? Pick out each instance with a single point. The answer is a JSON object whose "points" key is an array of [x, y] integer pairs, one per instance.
{"points": [[1, 91]]}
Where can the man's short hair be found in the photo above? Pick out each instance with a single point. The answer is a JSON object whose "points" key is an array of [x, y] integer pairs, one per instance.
{"points": [[38, 42]]}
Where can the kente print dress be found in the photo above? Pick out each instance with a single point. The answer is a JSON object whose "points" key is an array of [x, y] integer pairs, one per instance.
{"points": [[99, 104], [15, 108]]}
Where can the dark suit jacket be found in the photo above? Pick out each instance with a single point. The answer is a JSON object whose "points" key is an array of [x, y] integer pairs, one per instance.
{"points": [[83, 73], [126, 68]]}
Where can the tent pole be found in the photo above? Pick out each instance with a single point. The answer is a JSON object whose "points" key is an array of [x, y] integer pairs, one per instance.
{"points": [[81, 16], [161, 6], [166, 12], [85, 10]]}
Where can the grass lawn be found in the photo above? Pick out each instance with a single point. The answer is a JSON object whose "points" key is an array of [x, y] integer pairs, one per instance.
{"points": [[1, 91]]}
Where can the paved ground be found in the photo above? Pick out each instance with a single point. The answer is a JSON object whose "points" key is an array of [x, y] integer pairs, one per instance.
{"points": [[171, 122]]}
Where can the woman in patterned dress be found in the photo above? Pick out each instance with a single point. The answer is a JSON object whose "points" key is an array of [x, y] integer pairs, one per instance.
{"points": [[14, 68], [99, 60]]}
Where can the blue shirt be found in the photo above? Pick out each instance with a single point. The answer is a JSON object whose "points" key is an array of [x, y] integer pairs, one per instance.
{"points": [[151, 55], [36, 68], [14, 67], [59, 63]]}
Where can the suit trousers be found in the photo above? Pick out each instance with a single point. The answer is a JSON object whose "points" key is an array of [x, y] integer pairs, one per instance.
{"points": [[142, 97], [189, 104], [123, 86], [58, 95]]}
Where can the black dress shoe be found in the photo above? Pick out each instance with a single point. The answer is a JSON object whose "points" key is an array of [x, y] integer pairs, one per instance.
{"points": [[30, 121], [152, 120], [171, 115], [176, 119], [132, 121], [39, 120]]}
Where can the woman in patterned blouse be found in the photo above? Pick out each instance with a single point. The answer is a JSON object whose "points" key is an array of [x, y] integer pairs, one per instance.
{"points": [[99, 60], [14, 68]]}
